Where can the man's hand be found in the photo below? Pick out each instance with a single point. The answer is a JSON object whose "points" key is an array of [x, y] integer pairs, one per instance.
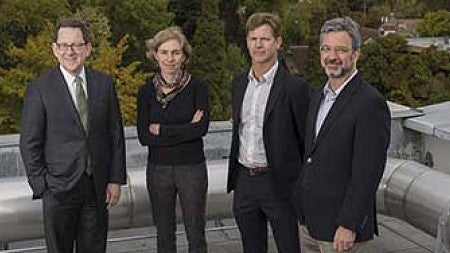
{"points": [[112, 194], [154, 129], [198, 115], [344, 239]]}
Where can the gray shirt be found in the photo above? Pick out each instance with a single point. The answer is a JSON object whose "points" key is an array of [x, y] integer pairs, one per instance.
{"points": [[251, 145], [329, 96]]}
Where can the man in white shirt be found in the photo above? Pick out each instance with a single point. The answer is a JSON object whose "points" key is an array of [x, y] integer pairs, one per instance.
{"points": [[269, 109], [72, 145]]}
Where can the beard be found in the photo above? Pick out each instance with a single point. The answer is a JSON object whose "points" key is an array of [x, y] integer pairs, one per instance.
{"points": [[340, 71]]}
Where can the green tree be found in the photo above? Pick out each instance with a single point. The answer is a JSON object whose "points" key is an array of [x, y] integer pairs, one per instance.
{"points": [[251, 6], [434, 5], [127, 78], [377, 58], [109, 59], [19, 20], [99, 26], [140, 20], [406, 77], [295, 19], [36, 58], [435, 24], [187, 13], [229, 14], [32, 60], [209, 57]]}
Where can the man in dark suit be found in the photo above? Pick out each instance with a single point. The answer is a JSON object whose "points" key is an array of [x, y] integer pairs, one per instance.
{"points": [[347, 136], [269, 110], [72, 145]]}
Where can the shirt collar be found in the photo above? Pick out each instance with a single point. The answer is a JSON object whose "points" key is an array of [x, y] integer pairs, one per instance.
{"points": [[328, 91], [266, 77], [71, 78]]}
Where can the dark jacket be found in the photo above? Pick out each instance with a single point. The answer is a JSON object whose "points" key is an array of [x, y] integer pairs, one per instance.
{"points": [[54, 146], [283, 134], [344, 163]]}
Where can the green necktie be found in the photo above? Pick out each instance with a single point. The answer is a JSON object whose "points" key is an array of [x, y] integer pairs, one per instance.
{"points": [[82, 105]]}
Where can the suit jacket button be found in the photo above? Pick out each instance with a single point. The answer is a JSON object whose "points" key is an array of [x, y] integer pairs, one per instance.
{"points": [[309, 160]]}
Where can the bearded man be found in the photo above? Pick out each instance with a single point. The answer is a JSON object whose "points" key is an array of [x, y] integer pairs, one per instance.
{"points": [[346, 140]]}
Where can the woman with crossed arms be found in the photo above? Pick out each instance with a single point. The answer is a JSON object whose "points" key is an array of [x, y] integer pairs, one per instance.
{"points": [[172, 118]]}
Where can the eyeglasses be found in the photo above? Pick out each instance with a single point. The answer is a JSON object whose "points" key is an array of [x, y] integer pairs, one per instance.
{"points": [[74, 46], [338, 49]]}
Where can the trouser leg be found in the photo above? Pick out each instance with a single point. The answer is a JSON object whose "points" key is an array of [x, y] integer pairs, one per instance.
{"points": [[93, 225], [162, 192], [251, 221], [192, 185]]}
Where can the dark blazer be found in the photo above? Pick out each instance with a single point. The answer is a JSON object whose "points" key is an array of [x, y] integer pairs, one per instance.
{"points": [[54, 146], [344, 164], [283, 135]]}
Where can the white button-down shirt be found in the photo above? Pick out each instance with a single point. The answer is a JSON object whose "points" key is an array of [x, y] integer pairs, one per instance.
{"points": [[329, 96], [70, 81], [251, 145]]}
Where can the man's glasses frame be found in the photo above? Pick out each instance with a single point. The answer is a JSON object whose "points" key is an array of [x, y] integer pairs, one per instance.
{"points": [[338, 49], [77, 47]]}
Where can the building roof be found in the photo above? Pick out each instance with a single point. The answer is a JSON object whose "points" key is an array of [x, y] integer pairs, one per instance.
{"points": [[368, 33], [442, 43], [405, 27], [435, 121]]}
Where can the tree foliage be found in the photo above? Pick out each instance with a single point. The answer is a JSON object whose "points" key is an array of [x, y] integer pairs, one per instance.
{"points": [[295, 23], [19, 20], [127, 78], [435, 24], [120, 28], [403, 76], [187, 13], [209, 56], [35, 58], [140, 20]]}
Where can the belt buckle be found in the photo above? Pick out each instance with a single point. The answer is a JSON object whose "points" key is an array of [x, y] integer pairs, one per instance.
{"points": [[251, 171]]}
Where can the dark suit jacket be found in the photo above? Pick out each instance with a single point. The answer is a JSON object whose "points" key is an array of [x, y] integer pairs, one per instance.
{"points": [[283, 135], [53, 143], [344, 164]]}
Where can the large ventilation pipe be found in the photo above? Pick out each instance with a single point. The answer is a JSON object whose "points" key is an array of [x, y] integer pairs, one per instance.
{"points": [[418, 195], [21, 218], [409, 191]]}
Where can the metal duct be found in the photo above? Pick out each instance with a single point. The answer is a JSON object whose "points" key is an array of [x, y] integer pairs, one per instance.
{"points": [[414, 193], [409, 191], [21, 218]]}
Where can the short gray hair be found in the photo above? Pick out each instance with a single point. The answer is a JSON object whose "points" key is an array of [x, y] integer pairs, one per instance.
{"points": [[345, 24]]}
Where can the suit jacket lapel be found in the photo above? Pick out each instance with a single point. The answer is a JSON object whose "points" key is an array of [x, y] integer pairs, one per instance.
{"points": [[66, 98], [341, 102], [316, 98], [93, 92], [275, 90], [240, 93]]}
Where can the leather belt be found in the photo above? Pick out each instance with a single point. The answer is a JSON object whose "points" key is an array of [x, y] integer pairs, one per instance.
{"points": [[254, 171]]}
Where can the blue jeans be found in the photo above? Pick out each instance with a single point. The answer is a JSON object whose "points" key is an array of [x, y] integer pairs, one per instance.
{"points": [[190, 182]]}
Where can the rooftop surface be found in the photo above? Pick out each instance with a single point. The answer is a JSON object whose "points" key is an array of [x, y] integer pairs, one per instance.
{"points": [[396, 236]]}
